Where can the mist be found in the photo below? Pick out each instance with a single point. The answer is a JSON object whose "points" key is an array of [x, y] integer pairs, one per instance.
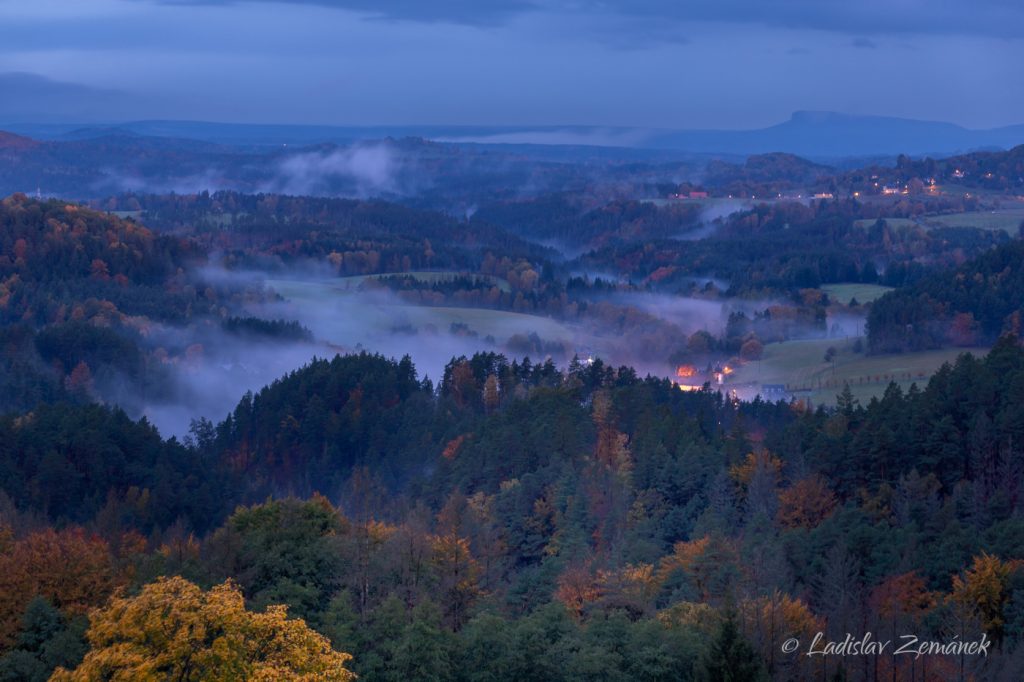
{"points": [[208, 369], [362, 170], [846, 324], [208, 381], [689, 314], [711, 218]]}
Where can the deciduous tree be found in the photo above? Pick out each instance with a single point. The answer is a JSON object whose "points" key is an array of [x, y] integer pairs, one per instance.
{"points": [[174, 630]]}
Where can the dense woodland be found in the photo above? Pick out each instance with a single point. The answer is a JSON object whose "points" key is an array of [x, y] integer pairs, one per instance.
{"points": [[572, 524], [514, 518], [786, 246], [970, 305], [568, 220]]}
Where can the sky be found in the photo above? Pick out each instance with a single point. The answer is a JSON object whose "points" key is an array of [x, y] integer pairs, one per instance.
{"points": [[718, 64]]}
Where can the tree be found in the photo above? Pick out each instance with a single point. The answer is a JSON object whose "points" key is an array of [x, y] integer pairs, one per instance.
{"points": [[730, 658], [837, 589], [486, 648], [174, 630], [752, 350], [983, 591], [463, 383], [901, 602], [774, 618], [577, 587], [492, 394], [424, 651], [456, 572], [99, 269], [283, 551], [806, 503], [79, 382], [700, 343], [72, 570], [963, 331], [47, 640]]}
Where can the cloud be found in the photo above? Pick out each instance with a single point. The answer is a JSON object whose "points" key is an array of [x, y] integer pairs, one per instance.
{"points": [[663, 18], [864, 43], [28, 96], [645, 63], [471, 12]]}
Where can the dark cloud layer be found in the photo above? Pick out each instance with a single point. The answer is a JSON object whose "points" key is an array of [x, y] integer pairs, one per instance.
{"points": [[1003, 18], [30, 97], [472, 12], [721, 64]]}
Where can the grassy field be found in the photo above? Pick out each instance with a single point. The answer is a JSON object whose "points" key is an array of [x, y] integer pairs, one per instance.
{"points": [[134, 215], [335, 299], [424, 276], [864, 293], [499, 323], [895, 223], [801, 366], [1008, 220]]}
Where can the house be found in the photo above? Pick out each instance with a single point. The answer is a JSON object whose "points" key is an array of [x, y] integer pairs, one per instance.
{"points": [[774, 392], [685, 191]]}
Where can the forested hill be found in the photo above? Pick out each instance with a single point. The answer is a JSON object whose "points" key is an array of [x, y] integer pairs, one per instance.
{"points": [[597, 520], [972, 304], [79, 290], [304, 227], [54, 254]]}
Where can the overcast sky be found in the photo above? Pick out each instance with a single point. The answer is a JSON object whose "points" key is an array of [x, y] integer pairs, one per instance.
{"points": [[650, 63]]}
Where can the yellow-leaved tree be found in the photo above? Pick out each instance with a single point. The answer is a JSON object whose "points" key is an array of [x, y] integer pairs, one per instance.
{"points": [[982, 592], [173, 630]]}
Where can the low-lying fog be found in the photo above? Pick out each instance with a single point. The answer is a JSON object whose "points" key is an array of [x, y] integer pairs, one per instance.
{"points": [[218, 368], [211, 369]]}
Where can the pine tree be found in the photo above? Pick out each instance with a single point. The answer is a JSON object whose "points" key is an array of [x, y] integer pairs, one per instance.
{"points": [[730, 658], [46, 641], [424, 651]]}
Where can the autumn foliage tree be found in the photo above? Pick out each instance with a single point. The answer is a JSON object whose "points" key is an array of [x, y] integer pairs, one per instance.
{"points": [[73, 570], [806, 503], [982, 591], [577, 587], [456, 572], [174, 630], [773, 618], [752, 350]]}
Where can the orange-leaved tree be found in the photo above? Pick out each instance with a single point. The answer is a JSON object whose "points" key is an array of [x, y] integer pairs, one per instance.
{"points": [[806, 503], [72, 569]]}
